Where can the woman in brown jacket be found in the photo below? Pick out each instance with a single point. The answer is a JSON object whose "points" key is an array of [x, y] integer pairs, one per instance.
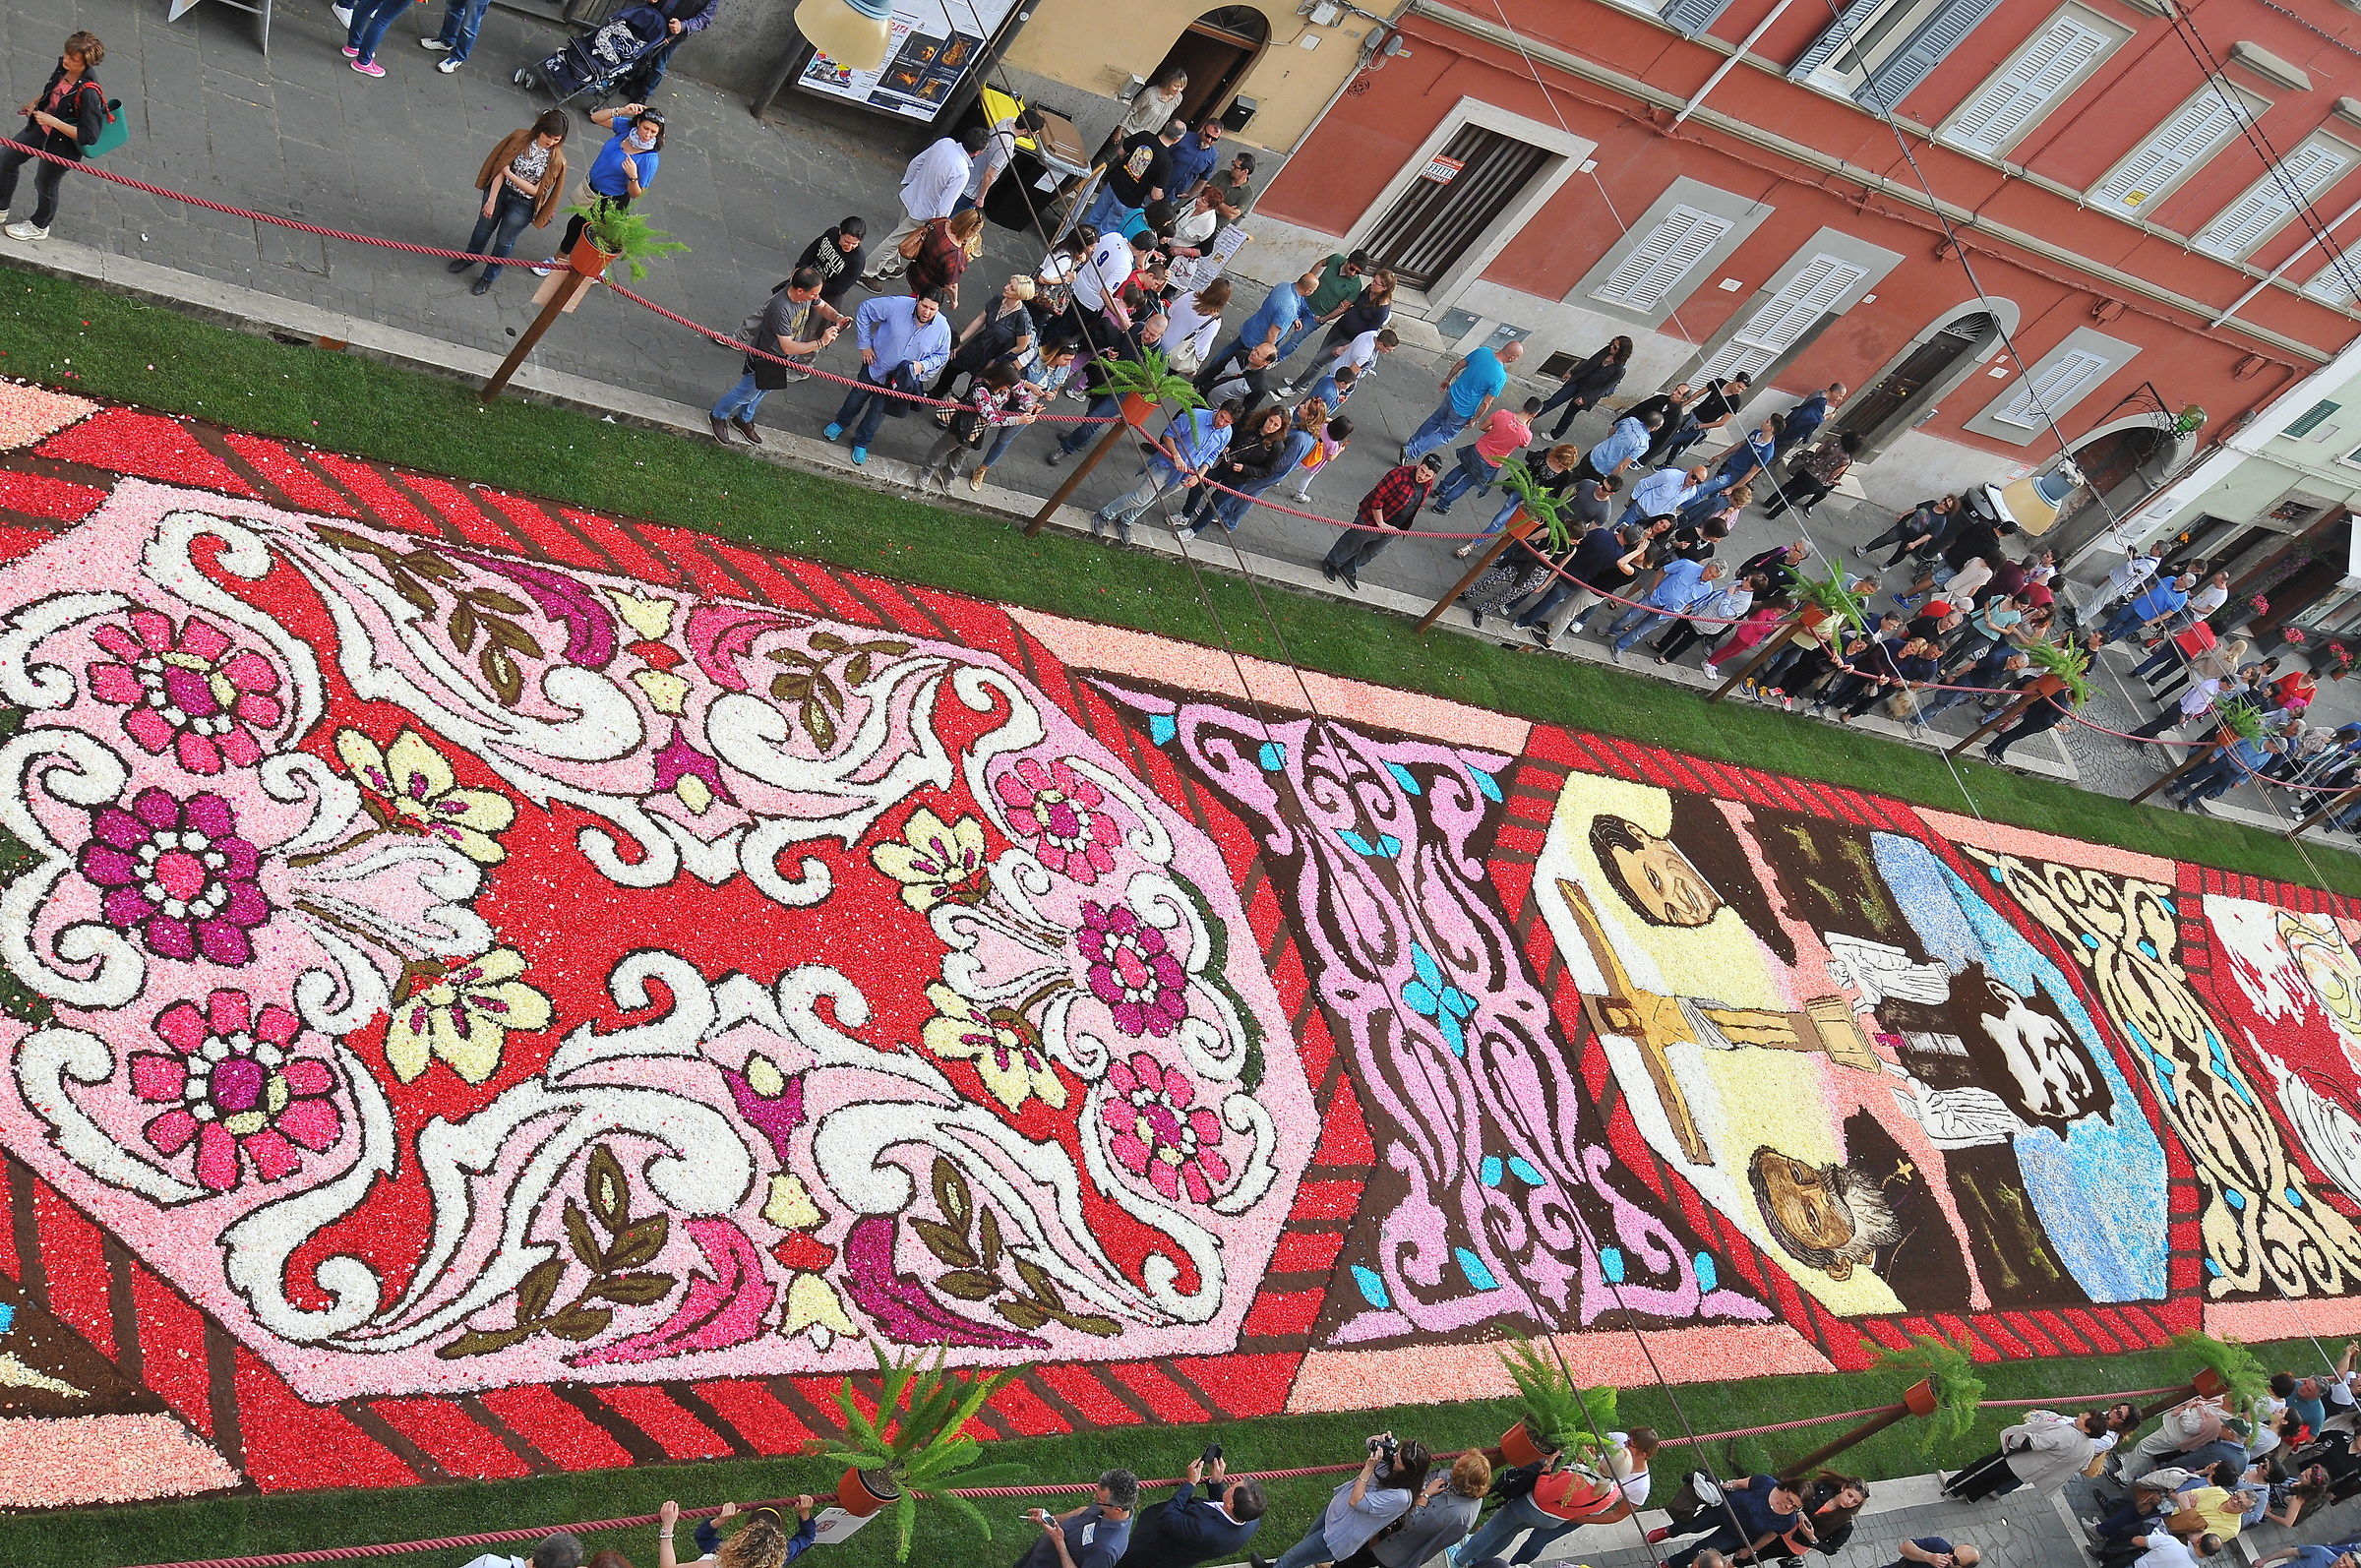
{"points": [[951, 242], [521, 179]]}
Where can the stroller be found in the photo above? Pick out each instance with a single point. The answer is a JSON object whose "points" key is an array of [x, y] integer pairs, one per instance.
{"points": [[595, 62]]}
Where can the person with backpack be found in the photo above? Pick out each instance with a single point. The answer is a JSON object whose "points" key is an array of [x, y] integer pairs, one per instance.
{"points": [[67, 116]]}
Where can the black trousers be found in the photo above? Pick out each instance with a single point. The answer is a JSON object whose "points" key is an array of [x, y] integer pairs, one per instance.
{"points": [[1990, 1475], [46, 177]]}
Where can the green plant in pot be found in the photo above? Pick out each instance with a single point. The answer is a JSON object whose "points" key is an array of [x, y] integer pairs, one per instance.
{"points": [[916, 1445], [1833, 596], [620, 234], [1947, 1391], [2071, 665], [1555, 1415], [2233, 1368], [1545, 506], [1147, 382]]}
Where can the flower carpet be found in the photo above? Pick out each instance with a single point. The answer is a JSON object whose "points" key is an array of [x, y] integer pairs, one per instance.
{"points": [[492, 988]]}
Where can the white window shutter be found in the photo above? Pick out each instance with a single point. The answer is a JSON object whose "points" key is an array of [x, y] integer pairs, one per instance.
{"points": [[2272, 200], [2339, 282], [2194, 134], [2053, 388], [1890, 83], [1856, 15], [1656, 266], [1781, 318], [1997, 113]]}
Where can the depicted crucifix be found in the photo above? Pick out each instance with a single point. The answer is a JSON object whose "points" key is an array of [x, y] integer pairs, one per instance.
{"points": [[1654, 1023]]}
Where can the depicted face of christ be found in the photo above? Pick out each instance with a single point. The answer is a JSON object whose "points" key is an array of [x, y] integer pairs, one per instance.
{"points": [[1652, 875], [1805, 1199]]}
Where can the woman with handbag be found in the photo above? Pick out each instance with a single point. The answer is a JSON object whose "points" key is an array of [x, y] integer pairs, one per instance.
{"points": [[1571, 1490], [520, 179], [67, 115], [1000, 397], [1196, 321], [946, 246], [1002, 329], [1590, 381]]}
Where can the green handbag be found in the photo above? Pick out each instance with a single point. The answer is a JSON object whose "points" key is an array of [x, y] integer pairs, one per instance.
{"points": [[113, 131]]}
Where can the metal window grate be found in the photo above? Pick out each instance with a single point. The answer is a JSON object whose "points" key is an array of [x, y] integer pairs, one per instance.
{"points": [[1432, 225]]}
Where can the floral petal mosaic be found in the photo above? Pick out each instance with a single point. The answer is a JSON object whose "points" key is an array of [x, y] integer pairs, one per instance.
{"points": [[491, 988]]}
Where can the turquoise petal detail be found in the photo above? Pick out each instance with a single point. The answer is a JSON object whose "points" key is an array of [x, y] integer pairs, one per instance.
{"points": [[1473, 1267], [1488, 1172], [1372, 1289], [1272, 756], [1406, 779], [1522, 1169], [1487, 783], [1162, 727], [1354, 842]]}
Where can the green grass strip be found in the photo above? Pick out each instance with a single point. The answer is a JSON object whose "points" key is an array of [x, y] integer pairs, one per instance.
{"points": [[83, 338]]}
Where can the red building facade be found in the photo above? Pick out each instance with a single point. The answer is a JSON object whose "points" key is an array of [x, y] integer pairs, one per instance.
{"points": [[1711, 178]]}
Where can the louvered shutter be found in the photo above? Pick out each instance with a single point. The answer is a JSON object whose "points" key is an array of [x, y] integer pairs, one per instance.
{"points": [[2272, 200], [2053, 388], [1657, 265], [1997, 113], [1693, 17], [1892, 80], [2339, 282], [1854, 17], [2194, 134], [1786, 316]]}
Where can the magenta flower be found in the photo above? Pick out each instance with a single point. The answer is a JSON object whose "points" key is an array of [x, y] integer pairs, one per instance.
{"points": [[1157, 1132], [237, 1088], [177, 872], [189, 690], [1131, 971], [1058, 809]]}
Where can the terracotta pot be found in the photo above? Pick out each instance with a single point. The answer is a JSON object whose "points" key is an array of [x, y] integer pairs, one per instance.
{"points": [[1919, 1396], [1136, 409], [862, 1492], [1518, 1447], [2208, 1384], [588, 259]]}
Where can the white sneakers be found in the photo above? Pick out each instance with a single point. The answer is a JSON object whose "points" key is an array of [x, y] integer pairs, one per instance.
{"points": [[447, 67], [343, 15], [24, 230], [436, 44]]}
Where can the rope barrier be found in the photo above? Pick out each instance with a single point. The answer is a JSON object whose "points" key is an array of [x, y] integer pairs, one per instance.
{"points": [[495, 1538]]}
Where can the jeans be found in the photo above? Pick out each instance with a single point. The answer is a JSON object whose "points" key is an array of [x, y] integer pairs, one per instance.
{"points": [[2167, 654], [45, 178], [1122, 508], [1107, 211], [370, 20], [1292, 338], [1632, 624], [866, 406], [1439, 428], [1538, 614], [1354, 549], [1001, 439], [1512, 1519], [2121, 622], [1472, 473], [649, 75], [2209, 779], [742, 400], [1081, 435], [1563, 396], [461, 21], [1994, 1481], [496, 235]]}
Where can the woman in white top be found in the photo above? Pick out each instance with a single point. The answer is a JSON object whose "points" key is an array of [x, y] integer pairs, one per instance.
{"points": [[1194, 321], [1153, 107]]}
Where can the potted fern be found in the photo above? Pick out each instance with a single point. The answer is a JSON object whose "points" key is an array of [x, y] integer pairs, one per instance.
{"points": [[1535, 505], [2224, 1367], [1832, 595], [1947, 1390], [1146, 381], [916, 1445], [2067, 668], [1555, 1416], [611, 233]]}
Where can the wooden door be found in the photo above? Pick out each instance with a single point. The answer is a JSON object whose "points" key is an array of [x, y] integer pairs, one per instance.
{"points": [[1430, 226], [1899, 396]]}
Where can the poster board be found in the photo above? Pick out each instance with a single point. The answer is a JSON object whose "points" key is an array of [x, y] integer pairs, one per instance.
{"points": [[932, 48]]}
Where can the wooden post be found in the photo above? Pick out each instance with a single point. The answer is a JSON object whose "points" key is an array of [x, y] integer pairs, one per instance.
{"points": [[2197, 756], [1073, 481], [571, 284], [1762, 653], [1917, 1400], [1483, 564], [2336, 803], [2044, 685]]}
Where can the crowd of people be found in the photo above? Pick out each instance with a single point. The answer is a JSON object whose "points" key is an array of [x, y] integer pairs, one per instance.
{"points": [[2208, 1469]]}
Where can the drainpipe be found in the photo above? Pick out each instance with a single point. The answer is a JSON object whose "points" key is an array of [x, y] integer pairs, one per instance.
{"points": [[2353, 264], [1731, 63]]}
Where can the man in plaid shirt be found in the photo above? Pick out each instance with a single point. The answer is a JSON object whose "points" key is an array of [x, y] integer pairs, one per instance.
{"points": [[1394, 505]]}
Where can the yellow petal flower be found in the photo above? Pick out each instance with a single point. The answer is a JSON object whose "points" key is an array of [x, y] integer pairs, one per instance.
{"points": [[646, 613], [813, 1304], [666, 691], [790, 1206]]}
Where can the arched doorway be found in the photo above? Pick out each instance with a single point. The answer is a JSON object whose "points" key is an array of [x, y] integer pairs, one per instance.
{"points": [[2120, 465], [1217, 50], [1918, 378]]}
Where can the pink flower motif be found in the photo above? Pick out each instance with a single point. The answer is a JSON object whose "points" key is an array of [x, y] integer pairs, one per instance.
{"points": [[1058, 809], [1156, 1131], [177, 873], [188, 690], [236, 1088], [1131, 971]]}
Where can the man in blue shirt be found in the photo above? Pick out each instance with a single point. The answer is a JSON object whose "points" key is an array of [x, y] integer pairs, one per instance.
{"points": [[2160, 600], [904, 340], [1797, 426], [1622, 446], [1273, 317], [1744, 460], [1192, 160], [1662, 493], [2230, 766], [1191, 444], [1468, 393], [1681, 586]]}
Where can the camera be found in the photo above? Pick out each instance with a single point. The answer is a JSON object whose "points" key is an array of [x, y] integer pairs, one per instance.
{"points": [[1384, 1444]]}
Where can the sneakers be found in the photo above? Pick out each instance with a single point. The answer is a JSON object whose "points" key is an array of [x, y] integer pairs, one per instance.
{"points": [[342, 14], [349, 52], [1539, 635], [447, 67], [832, 432], [1909, 601], [1352, 578], [368, 68], [24, 229], [1658, 1536], [436, 44], [860, 455]]}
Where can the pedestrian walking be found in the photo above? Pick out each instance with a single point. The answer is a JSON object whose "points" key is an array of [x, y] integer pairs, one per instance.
{"points": [[1331, 446], [1506, 433], [838, 254], [2128, 576], [944, 253], [623, 170], [1298, 438], [1562, 1496], [998, 398], [1000, 330], [1278, 311], [1917, 530], [1252, 454], [1392, 1476], [1813, 475], [932, 185], [1194, 158], [522, 178], [1138, 173], [1196, 321], [680, 19], [1588, 381], [985, 169], [1706, 414], [1802, 422], [1152, 108], [1475, 384], [1191, 443], [455, 40], [1709, 617], [1337, 284], [1391, 505], [794, 324], [904, 342], [64, 117], [1682, 588], [367, 29]]}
